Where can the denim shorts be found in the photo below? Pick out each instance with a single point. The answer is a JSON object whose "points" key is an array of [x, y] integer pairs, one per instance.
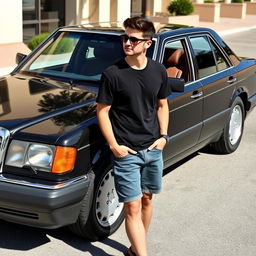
{"points": [[138, 173]]}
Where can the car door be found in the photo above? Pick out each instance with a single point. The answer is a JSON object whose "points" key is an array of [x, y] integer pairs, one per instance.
{"points": [[217, 78], [185, 107]]}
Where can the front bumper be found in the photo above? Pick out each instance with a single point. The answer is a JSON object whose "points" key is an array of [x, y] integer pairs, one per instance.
{"points": [[40, 206]]}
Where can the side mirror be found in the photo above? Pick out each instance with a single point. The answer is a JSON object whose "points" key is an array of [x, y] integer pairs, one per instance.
{"points": [[20, 57], [176, 84]]}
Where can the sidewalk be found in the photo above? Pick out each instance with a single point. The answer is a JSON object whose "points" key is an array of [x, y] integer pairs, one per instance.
{"points": [[8, 56], [226, 26]]}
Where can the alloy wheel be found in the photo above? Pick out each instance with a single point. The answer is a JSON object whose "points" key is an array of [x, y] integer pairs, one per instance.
{"points": [[235, 124], [108, 208]]}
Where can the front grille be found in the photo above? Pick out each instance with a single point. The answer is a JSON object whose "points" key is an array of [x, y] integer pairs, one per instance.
{"points": [[13, 212]]}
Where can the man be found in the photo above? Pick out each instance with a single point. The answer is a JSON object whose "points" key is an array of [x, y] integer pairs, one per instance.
{"points": [[133, 115]]}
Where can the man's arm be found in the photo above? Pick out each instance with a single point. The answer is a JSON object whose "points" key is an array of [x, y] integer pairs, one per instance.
{"points": [[163, 115], [163, 120], [107, 131]]}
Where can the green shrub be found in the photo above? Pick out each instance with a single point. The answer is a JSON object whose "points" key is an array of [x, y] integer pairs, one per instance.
{"points": [[237, 1], [65, 45], [36, 40], [181, 7]]}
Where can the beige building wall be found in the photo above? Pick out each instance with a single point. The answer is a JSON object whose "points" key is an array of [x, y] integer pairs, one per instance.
{"points": [[77, 12], [165, 4], [104, 11], [123, 9], [93, 11], [157, 7], [10, 21]]}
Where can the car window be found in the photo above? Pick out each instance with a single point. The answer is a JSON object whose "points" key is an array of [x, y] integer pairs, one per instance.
{"points": [[209, 58], [58, 53], [233, 58], [175, 60], [219, 58], [74, 55], [204, 56]]}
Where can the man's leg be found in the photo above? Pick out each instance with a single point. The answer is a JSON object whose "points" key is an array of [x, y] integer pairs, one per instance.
{"points": [[135, 228], [147, 209]]}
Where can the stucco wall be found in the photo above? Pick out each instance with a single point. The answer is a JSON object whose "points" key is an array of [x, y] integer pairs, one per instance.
{"points": [[10, 21], [251, 8], [209, 12], [93, 11], [233, 10]]}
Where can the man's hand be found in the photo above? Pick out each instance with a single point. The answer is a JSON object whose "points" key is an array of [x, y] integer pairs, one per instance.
{"points": [[159, 144], [120, 151]]}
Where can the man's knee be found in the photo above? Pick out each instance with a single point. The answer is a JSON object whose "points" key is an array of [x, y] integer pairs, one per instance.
{"points": [[146, 199], [132, 208]]}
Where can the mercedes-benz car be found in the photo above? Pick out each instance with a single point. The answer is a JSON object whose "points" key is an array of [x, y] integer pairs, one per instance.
{"points": [[55, 164]]}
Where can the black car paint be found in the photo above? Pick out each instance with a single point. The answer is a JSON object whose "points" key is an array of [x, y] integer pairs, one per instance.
{"points": [[198, 121]]}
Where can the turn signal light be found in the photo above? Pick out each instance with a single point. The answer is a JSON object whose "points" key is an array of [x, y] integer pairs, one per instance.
{"points": [[64, 159]]}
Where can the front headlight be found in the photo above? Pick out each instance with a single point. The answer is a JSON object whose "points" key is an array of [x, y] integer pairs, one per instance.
{"points": [[16, 153], [41, 156]]}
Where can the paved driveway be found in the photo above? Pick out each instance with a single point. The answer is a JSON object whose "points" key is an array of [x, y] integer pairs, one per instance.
{"points": [[243, 43]]}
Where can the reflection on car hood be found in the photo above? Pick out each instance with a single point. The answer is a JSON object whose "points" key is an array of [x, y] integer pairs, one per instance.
{"points": [[24, 99]]}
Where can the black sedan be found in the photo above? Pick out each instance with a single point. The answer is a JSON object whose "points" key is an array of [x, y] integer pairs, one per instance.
{"points": [[55, 164]]}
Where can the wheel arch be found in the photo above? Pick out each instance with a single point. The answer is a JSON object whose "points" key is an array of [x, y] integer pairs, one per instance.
{"points": [[103, 157], [244, 97]]}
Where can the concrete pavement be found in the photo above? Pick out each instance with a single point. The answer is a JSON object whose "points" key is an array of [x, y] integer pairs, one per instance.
{"points": [[226, 26]]}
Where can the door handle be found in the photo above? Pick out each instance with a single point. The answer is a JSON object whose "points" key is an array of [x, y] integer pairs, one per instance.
{"points": [[232, 80], [196, 95]]}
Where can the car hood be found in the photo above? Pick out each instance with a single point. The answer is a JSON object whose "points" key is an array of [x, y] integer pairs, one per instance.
{"points": [[44, 106]]}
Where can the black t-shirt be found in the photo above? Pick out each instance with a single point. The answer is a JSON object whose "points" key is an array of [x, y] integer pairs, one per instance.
{"points": [[133, 96]]}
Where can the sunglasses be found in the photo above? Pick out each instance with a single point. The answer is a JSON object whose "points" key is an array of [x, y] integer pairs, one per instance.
{"points": [[132, 39]]}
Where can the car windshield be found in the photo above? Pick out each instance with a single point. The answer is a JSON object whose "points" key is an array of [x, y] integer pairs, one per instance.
{"points": [[76, 56]]}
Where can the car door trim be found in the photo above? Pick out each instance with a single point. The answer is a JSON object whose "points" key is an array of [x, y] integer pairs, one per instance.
{"points": [[185, 131]]}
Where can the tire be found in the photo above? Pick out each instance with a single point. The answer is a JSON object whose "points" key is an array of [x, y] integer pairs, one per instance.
{"points": [[80, 224], [106, 213], [233, 130]]}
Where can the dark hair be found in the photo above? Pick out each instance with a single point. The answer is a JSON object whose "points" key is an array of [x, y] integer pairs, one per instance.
{"points": [[144, 25]]}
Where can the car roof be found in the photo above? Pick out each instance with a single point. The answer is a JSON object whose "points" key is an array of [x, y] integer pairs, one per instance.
{"points": [[168, 30], [178, 31], [83, 28]]}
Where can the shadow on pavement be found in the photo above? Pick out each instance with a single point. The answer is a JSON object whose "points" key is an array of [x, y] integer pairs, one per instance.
{"points": [[18, 237], [81, 244], [204, 150], [22, 238], [178, 164], [209, 150]]}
